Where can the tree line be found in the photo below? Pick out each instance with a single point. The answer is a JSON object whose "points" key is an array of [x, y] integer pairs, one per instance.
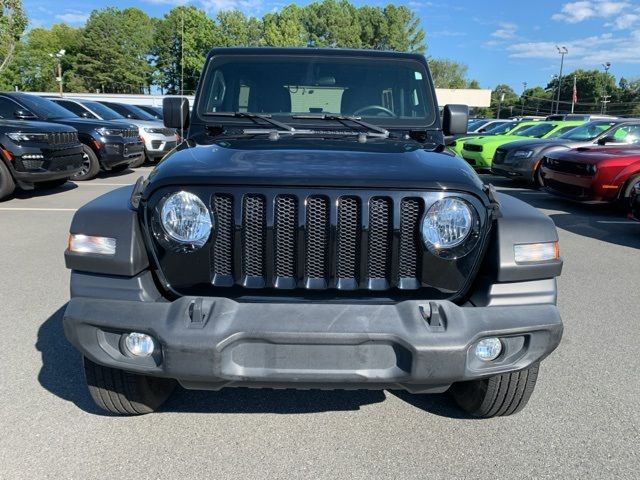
{"points": [[127, 51]]}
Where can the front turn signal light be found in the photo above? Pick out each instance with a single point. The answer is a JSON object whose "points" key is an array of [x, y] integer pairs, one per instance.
{"points": [[89, 244], [536, 252]]}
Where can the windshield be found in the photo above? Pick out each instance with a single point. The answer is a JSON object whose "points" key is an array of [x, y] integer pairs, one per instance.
{"points": [[382, 91], [536, 131], [130, 111], [104, 112], [519, 128], [499, 128], [44, 108], [588, 131], [561, 131]]}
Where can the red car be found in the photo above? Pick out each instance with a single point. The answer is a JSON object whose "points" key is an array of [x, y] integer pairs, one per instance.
{"points": [[593, 174]]}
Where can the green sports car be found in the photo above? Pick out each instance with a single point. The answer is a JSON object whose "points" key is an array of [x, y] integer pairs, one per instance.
{"points": [[503, 129], [479, 151]]}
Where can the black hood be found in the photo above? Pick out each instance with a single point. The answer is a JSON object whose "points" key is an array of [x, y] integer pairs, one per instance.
{"points": [[86, 125], [314, 161], [33, 127]]}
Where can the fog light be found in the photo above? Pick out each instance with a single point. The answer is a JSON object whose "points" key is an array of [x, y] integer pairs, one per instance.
{"points": [[488, 349], [139, 344]]}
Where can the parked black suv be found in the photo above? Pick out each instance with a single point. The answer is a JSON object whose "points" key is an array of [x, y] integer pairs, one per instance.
{"points": [[37, 153], [109, 145], [312, 232]]}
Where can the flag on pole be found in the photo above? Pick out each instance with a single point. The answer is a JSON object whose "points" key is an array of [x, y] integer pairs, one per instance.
{"points": [[574, 96]]}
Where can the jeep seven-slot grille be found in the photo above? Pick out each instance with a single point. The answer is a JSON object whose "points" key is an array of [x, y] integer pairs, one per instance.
{"points": [[315, 241], [62, 138]]}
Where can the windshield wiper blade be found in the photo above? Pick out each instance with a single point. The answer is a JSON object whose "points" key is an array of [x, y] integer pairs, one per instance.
{"points": [[342, 118], [254, 116]]}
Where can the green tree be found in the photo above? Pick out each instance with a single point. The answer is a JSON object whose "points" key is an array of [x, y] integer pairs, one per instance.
{"points": [[284, 28], [504, 101], [13, 22], [34, 65], [332, 23], [170, 46], [536, 101], [115, 49], [235, 29], [447, 73], [591, 86], [391, 28]]}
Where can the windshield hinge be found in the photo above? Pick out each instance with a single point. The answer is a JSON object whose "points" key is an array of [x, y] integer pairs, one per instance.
{"points": [[494, 205]]}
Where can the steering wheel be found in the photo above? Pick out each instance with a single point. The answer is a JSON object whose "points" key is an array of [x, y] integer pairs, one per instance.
{"points": [[375, 107]]}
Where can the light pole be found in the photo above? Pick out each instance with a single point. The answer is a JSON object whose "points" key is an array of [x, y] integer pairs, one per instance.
{"points": [[562, 51], [58, 56], [606, 66], [500, 100], [524, 89]]}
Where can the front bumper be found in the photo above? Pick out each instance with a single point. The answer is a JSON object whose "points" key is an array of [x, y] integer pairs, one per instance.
{"points": [[113, 153], [55, 164], [520, 169], [581, 188], [159, 145], [211, 342], [476, 159]]}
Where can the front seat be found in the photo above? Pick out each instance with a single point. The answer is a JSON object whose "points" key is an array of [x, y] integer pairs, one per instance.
{"points": [[269, 99]]}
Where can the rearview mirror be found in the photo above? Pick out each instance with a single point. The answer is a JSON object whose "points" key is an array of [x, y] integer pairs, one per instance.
{"points": [[175, 112], [455, 119], [24, 115]]}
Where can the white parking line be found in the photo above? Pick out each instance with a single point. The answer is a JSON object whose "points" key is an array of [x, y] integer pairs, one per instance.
{"points": [[26, 209]]}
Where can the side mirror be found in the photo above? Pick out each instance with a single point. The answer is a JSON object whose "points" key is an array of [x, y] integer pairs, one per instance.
{"points": [[24, 115], [175, 111], [455, 119], [607, 139]]}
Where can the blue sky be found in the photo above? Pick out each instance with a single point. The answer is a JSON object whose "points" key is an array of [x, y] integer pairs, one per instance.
{"points": [[501, 41]]}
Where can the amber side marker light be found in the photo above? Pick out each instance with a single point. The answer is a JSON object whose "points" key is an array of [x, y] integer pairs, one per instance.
{"points": [[78, 243], [6, 154], [536, 252]]}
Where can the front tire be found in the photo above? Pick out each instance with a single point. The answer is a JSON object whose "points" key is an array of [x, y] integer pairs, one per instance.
{"points": [[496, 396], [90, 165], [125, 393], [7, 185]]}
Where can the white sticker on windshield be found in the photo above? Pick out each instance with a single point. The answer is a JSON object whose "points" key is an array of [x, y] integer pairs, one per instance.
{"points": [[418, 76]]}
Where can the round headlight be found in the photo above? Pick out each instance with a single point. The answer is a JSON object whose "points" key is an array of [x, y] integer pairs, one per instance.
{"points": [[186, 219], [447, 224]]}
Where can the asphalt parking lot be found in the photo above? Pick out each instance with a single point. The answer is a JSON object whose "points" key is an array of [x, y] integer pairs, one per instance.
{"points": [[582, 422]]}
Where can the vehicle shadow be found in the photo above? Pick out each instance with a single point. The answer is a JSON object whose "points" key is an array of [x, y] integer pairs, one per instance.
{"points": [[61, 374], [606, 223], [41, 191]]}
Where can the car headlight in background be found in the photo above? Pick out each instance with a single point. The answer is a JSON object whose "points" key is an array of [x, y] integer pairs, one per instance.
{"points": [[153, 130], [103, 131], [28, 137], [447, 224], [522, 153], [186, 219]]}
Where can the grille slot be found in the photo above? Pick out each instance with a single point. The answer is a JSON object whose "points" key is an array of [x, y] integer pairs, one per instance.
{"points": [[379, 244], [317, 238], [286, 226], [222, 248], [348, 238], [253, 235], [409, 258]]}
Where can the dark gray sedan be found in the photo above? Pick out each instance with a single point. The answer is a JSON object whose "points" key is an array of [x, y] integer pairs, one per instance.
{"points": [[521, 160]]}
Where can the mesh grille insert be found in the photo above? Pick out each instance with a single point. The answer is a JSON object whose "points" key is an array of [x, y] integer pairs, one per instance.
{"points": [[222, 257], [410, 214], [317, 236], [253, 233], [379, 237], [286, 223], [349, 231]]}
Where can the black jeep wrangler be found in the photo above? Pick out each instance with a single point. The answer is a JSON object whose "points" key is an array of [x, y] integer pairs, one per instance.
{"points": [[311, 232]]}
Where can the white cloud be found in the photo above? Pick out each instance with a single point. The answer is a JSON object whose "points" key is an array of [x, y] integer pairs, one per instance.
{"points": [[507, 31], [73, 16], [246, 6], [575, 12], [624, 21], [585, 52]]}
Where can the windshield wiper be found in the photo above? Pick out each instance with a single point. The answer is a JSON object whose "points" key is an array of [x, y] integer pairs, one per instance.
{"points": [[378, 131], [255, 116]]}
